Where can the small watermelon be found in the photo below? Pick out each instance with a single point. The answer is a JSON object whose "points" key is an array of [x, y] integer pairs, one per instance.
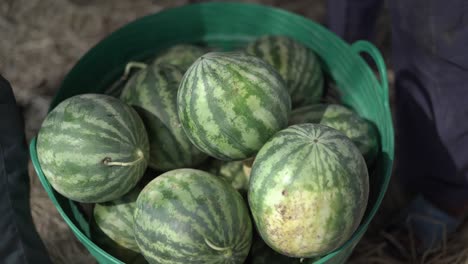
{"points": [[360, 131], [182, 56], [230, 104], [297, 64], [93, 148], [191, 216], [153, 93], [112, 227], [232, 172], [308, 190]]}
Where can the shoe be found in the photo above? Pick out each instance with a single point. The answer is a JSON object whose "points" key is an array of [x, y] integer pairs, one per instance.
{"points": [[424, 224]]}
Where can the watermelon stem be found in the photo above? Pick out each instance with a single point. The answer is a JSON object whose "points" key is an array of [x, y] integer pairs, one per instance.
{"points": [[247, 166], [213, 246], [108, 161], [131, 65]]}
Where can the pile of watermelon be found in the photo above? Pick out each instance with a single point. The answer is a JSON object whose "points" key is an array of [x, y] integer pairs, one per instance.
{"points": [[214, 157]]}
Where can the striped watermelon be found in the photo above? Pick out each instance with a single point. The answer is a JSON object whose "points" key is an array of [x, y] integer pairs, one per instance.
{"points": [[153, 93], [360, 131], [298, 65], [191, 216], [231, 103], [182, 56], [308, 190], [232, 172], [93, 148], [112, 227]]}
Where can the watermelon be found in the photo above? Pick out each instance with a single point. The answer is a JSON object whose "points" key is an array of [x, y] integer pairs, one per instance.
{"points": [[308, 190], [230, 104], [153, 93], [360, 131], [232, 172], [297, 65], [182, 56], [112, 227], [93, 148], [192, 216]]}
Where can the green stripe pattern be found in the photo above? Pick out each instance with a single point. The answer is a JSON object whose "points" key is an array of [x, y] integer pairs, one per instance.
{"points": [[191, 216], [153, 93], [230, 104], [362, 132], [182, 56], [308, 190], [112, 228], [297, 65], [232, 172], [93, 148]]}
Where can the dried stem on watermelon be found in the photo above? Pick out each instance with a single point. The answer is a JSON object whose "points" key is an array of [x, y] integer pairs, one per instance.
{"points": [[247, 166], [213, 246], [108, 160], [132, 65]]}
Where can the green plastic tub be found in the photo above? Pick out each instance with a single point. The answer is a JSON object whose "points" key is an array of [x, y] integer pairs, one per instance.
{"points": [[227, 26]]}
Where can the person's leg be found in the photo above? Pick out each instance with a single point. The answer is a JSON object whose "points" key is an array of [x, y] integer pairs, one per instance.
{"points": [[431, 69], [431, 76], [353, 19], [19, 242]]}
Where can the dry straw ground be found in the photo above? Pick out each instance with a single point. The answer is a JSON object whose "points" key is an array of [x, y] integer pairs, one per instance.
{"points": [[41, 40]]}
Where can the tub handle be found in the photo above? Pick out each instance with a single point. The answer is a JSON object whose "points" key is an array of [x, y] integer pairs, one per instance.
{"points": [[367, 47]]}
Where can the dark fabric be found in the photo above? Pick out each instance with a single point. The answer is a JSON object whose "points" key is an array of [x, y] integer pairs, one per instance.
{"points": [[353, 19], [430, 59], [19, 241]]}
